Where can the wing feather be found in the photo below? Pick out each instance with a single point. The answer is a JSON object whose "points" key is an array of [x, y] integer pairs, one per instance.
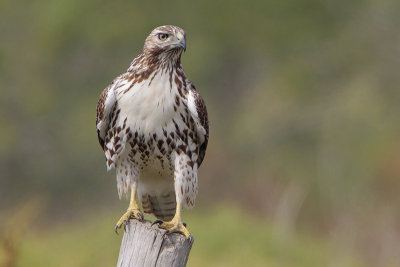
{"points": [[105, 107], [198, 110]]}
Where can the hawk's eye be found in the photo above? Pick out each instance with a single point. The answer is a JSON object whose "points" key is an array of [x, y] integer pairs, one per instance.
{"points": [[163, 36]]}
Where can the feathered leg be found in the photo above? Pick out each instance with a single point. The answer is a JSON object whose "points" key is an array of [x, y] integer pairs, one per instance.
{"points": [[185, 190]]}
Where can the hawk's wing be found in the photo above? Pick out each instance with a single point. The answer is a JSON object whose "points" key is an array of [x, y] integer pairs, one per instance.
{"points": [[112, 136], [105, 108], [198, 111]]}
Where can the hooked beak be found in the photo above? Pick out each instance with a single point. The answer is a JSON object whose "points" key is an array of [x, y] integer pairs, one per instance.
{"points": [[182, 44], [182, 41]]}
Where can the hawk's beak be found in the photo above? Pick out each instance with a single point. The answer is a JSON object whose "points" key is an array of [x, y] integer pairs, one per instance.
{"points": [[182, 41]]}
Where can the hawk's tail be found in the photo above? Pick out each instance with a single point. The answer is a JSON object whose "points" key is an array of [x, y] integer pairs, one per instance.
{"points": [[161, 206]]}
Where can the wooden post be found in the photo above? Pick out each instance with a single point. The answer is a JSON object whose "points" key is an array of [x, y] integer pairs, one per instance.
{"points": [[144, 245]]}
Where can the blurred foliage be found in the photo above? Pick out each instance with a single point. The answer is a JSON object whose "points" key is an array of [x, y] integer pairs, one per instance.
{"points": [[303, 102]]}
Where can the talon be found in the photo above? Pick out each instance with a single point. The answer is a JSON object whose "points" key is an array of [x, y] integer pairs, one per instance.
{"points": [[128, 215], [166, 232], [175, 225], [116, 229], [157, 222]]}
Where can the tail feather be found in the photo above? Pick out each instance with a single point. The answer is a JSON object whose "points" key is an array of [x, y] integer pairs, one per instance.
{"points": [[162, 207]]}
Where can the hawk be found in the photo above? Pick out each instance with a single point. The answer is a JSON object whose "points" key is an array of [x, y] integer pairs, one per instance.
{"points": [[153, 127]]}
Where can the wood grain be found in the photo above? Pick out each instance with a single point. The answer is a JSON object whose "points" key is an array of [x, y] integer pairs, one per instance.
{"points": [[144, 245]]}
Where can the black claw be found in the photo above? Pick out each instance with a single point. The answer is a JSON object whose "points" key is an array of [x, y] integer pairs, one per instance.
{"points": [[125, 225], [184, 224], [157, 222], [140, 216], [166, 232], [116, 229]]}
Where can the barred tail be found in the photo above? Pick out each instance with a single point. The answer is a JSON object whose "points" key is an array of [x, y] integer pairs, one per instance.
{"points": [[161, 206]]}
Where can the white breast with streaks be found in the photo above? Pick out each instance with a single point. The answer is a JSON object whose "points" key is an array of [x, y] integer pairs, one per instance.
{"points": [[149, 108]]}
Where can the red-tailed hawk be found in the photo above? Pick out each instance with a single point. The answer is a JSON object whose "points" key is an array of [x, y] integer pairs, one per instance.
{"points": [[153, 127]]}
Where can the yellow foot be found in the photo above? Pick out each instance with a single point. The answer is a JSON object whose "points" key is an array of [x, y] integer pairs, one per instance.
{"points": [[129, 214], [173, 227]]}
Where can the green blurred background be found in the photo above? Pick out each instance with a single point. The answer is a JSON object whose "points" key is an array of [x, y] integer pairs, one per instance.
{"points": [[303, 163]]}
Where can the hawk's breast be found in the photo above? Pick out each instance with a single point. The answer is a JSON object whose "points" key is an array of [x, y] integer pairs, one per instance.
{"points": [[148, 105], [155, 115]]}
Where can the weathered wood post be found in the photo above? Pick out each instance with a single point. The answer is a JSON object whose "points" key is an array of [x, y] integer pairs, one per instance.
{"points": [[144, 245]]}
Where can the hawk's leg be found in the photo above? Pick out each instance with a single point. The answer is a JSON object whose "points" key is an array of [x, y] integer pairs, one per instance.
{"points": [[132, 212], [185, 190], [175, 225]]}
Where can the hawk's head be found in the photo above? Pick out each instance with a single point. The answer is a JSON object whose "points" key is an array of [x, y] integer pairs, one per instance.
{"points": [[166, 40]]}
